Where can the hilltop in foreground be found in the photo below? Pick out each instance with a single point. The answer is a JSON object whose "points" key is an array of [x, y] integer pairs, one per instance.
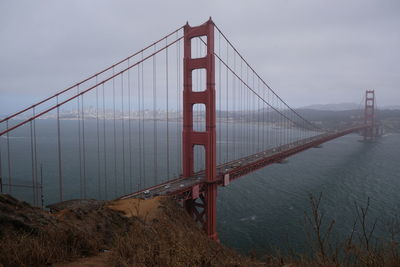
{"points": [[131, 232], [153, 232]]}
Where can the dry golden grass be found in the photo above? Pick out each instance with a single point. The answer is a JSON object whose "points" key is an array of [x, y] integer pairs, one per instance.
{"points": [[172, 239], [33, 237], [159, 232], [45, 248]]}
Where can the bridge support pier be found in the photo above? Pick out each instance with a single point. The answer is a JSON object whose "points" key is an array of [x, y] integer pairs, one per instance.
{"points": [[207, 200]]}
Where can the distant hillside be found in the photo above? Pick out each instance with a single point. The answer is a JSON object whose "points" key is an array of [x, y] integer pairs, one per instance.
{"points": [[392, 107], [345, 106], [333, 107], [333, 119]]}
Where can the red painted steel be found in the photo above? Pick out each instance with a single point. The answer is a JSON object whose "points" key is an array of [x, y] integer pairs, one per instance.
{"points": [[369, 114], [190, 138]]}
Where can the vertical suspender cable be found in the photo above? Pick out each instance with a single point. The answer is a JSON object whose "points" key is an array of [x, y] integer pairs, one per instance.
{"points": [[130, 130], [267, 121], [84, 149], [258, 117], [32, 165], [285, 125], [60, 180], [233, 106], [177, 105], [33, 161], [155, 156], [253, 118], [273, 120], [284, 121], [166, 74], [278, 120], [123, 134], [140, 131], [290, 137], [35, 155], [246, 121], [180, 97], [280, 123], [104, 144], [263, 119], [8, 159], [249, 110], [289, 130], [115, 138], [41, 186], [294, 134], [227, 107], [282, 133], [98, 142], [248, 114], [80, 148], [242, 113], [143, 128], [219, 91]]}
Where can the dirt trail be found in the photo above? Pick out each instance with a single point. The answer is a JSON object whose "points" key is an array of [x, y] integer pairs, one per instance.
{"points": [[145, 209], [100, 260]]}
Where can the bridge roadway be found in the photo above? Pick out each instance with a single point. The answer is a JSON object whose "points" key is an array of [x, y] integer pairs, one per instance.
{"points": [[227, 172]]}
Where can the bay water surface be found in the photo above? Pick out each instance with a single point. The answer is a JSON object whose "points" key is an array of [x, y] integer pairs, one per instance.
{"points": [[260, 212]]}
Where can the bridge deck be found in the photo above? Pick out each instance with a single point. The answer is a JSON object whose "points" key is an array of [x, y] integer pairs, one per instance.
{"points": [[235, 169]]}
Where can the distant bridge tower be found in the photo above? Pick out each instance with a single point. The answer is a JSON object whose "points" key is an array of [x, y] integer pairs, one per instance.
{"points": [[201, 206], [369, 115]]}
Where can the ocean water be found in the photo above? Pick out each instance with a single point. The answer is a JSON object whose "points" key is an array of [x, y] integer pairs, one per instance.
{"points": [[260, 212]]}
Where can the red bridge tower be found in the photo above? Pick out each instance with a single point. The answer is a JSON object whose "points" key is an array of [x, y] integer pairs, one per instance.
{"points": [[201, 206], [369, 115]]}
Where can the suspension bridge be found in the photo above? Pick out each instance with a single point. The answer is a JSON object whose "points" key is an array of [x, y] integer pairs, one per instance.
{"points": [[180, 117]]}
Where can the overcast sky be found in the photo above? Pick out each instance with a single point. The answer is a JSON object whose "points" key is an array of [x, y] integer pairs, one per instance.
{"points": [[310, 52]]}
